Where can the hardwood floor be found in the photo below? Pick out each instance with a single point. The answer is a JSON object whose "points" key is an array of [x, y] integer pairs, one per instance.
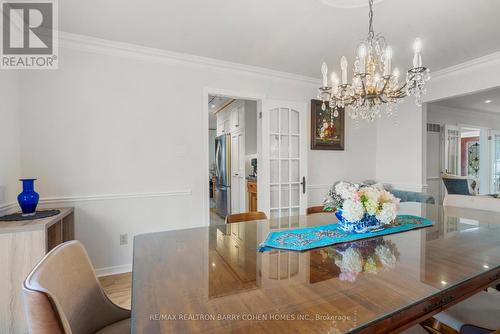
{"points": [[215, 219], [118, 288]]}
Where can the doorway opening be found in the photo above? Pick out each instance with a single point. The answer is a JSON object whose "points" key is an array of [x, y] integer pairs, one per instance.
{"points": [[470, 152], [233, 164], [463, 139]]}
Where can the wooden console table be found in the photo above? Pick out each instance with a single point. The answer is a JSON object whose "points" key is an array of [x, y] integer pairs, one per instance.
{"points": [[22, 245]]}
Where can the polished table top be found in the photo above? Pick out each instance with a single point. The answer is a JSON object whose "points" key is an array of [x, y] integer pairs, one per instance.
{"points": [[213, 280]]}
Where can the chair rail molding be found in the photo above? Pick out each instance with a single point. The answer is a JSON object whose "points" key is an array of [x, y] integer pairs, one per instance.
{"points": [[4, 208], [115, 48], [106, 197], [326, 186]]}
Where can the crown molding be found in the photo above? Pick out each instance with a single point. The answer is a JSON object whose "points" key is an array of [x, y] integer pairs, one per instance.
{"points": [[115, 48], [484, 60]]}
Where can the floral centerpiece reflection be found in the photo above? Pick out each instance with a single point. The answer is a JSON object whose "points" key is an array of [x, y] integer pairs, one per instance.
{"points": [[361, 209], [368, 256]]}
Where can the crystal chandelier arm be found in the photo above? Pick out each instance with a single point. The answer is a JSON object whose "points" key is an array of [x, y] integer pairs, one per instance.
{"points": [[364, 91], [400, 92], [385, 85]]}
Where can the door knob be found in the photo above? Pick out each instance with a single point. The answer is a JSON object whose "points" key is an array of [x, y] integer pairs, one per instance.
{"points": [[303, 183]]}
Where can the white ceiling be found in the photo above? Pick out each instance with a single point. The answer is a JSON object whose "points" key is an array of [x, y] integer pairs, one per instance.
{"points": [[475, 101], [291, 35]]}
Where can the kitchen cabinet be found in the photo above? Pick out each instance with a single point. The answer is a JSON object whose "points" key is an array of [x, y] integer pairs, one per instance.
{"points": [[223, 122], [231, 118], [252, 195], [238, 202], [237, 116]]}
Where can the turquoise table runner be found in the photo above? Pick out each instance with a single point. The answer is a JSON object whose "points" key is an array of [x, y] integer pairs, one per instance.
{"points": [[301, 239]]}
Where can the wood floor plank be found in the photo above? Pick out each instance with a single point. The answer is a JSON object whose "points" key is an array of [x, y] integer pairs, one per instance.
{"points": [[118, 288]]}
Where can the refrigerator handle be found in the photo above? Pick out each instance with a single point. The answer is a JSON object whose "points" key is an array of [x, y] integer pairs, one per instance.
{"points": [[217, 152]]}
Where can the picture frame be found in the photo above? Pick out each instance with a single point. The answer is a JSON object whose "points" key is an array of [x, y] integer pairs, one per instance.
{"points": [[326, 135]]}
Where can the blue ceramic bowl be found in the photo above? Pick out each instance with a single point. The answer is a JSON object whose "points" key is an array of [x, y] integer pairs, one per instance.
{"points": [[367, 224]]}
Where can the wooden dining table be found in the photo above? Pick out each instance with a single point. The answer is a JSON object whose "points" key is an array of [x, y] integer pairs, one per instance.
{"points": [[214, 280]]}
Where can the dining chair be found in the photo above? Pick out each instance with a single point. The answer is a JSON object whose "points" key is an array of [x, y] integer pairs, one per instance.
{"points": [[317, 209], [245, 217], [62, 295], [474, 315]]}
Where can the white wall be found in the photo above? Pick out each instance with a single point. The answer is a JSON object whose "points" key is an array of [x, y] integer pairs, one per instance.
{"points": [[250, 127], [10, 158], [119, 136], [250, 137], [356, 163], [211, 147], [399, 147], [433, 165]]}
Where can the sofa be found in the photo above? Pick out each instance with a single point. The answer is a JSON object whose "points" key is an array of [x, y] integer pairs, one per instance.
{"points": [[403, 195]]}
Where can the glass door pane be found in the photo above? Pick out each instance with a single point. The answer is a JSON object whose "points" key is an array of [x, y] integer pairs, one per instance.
{"points": [[284, 161], [496, 162], [285, 164], [452, 150]]}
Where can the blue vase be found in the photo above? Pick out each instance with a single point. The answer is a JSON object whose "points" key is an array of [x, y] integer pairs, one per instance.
{"points": [[28, 199], [366, 224]]}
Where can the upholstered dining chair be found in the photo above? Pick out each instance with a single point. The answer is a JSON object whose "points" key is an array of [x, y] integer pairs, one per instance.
{"points": [[317, 209], [245, 217], [476, 315], [63, 296]]}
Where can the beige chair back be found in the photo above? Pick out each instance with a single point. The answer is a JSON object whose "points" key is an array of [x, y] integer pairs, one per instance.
{"points": [[317, 209], [63, 296]]}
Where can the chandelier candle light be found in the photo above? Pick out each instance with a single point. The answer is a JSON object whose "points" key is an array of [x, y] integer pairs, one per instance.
{"points": [[375, 86]]}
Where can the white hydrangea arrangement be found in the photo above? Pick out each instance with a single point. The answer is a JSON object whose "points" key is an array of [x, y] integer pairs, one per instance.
{"points": [[356, 201]]}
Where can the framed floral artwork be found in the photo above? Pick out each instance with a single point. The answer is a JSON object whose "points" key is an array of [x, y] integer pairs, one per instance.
{"points": [[327, 129]]}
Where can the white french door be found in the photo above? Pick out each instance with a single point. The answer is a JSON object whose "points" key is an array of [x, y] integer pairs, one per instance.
{"points": [[495, 159], [451, 149], [282, 138]]}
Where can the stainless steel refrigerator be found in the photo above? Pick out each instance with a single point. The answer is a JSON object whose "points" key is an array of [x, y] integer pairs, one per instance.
{"points": [[223, 175]]}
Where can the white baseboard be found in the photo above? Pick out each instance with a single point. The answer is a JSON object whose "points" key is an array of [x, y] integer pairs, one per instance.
{"points": [[124, 268]]}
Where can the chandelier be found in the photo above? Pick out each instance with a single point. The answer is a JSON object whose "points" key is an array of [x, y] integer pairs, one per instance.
{"points": [[375, 87]]}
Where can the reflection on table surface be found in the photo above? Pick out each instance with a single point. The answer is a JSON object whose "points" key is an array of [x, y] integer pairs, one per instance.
{"points": [[217, 271]]}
